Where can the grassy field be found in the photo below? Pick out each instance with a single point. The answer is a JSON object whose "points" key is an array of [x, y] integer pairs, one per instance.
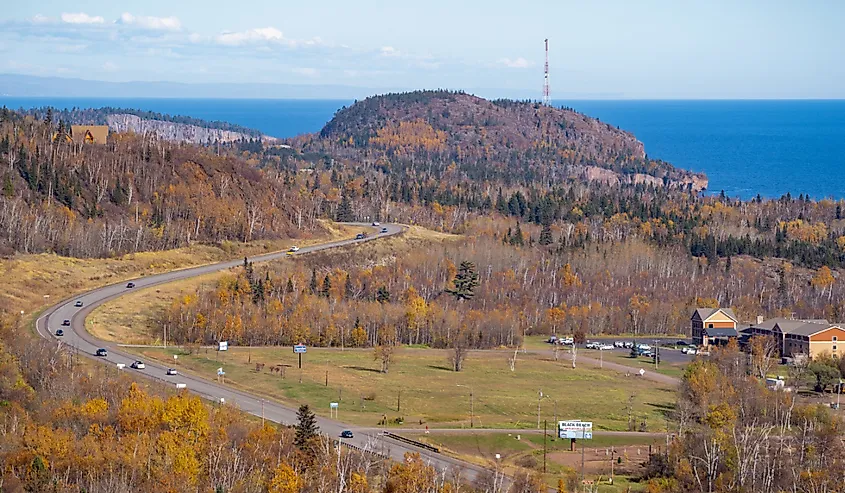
{"points": [[429, 392], [526, 451], [622, 356]]}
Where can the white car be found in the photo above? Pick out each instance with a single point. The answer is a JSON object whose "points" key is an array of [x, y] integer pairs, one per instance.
{"points": [[294, 249], [644, 347], [376, 223], [138, 365], [606, 347], [171, 371], [619, 344], [689, 351]]}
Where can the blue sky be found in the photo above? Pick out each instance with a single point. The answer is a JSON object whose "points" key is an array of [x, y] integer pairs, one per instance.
{"points": [[599, 49]]}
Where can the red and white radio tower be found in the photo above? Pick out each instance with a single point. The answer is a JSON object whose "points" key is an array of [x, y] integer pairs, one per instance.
{"points": [[547, 98]]}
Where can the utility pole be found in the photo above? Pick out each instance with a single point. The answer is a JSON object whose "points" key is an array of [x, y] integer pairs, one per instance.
{"points": [[544, 446], [398, 400], [539, 398], [471, 409]]}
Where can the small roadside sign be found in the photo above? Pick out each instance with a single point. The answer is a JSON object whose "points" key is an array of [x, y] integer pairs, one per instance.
{"points": [[300, 349], [333, 405], [220, 372], [223, 346]]}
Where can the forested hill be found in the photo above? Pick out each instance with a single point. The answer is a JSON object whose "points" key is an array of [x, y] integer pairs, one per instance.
{"points": [[502, 139], [168, 127]]}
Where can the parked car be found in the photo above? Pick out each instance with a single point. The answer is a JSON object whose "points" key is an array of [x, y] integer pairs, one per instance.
{"points": [[619, 344], [60, 333], [138, 365], [566, 341], [376, 223], [682, 343], [552, 340], [628, 345], [66, 323], [172, 371], [691, 351], [130, 285], [606, 347], [346, 434], [78, 303], [384, 230], [643, 346], [101, 353], [294, 249]]}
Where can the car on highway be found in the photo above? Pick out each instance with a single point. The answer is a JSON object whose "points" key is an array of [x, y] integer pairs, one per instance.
{"points": [[360, 236], [138, 365], [66, 322], [172, 371], [101, 353], [347, 434], [60, 333], [376, 223], [130, 285], [78, 303], [293, 249], [384, 230]]}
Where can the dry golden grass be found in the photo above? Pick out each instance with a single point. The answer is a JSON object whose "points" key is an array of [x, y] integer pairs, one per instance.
{"points": [[31, 282]]}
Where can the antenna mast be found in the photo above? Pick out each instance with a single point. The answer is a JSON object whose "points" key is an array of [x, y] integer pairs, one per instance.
{"points": [[547, 98]]}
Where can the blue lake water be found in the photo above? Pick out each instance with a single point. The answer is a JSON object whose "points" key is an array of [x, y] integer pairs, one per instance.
{"points": [[744, 147]]}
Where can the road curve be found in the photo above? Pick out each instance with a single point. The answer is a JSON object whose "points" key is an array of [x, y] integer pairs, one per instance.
{"points": [[83, 343]]}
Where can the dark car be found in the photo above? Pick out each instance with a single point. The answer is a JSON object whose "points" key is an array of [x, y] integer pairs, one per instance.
{"points": [[130, 285], [78, 303], [360, 236], [66, 323], [346, 434], [384, 230], [682, 343], [101, 353], [60, 333]]}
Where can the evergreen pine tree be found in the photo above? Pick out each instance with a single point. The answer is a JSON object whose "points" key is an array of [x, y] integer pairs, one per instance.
{"points": [[728, 265], [306, 427], [465, 282], [546, 236], [313, 286], [327, 286], [516, 239], [347, 287], [344, 210], [383, 295], [289, 288]]}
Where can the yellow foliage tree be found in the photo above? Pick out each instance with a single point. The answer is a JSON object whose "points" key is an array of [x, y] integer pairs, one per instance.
{"points": [[286, 480]]}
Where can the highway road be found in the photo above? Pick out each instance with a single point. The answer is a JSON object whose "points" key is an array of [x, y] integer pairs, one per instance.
{"points": [[78, 338]]}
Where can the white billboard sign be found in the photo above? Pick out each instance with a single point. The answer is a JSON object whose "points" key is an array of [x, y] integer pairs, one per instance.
{"points": [[576, 429]]}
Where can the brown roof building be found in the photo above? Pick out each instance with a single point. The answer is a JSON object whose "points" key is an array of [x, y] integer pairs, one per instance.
{"points": [[90, 134]]}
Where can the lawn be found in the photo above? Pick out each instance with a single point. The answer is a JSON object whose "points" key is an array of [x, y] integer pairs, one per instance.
{"points": [[526, 451], [427, 392]]}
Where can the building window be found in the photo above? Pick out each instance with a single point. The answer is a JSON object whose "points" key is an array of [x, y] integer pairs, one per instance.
{"points": [[709, 326], [834, 347], [834, 338]]}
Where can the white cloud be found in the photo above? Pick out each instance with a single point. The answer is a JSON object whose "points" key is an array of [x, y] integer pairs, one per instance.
{"points": [[81, 18], [42, 19], [306, 71], [389, 51], [261, 34], [110, 67], [515, 63], [150, 22]]}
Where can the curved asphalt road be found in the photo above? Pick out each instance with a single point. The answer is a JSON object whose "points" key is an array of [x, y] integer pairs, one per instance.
{"points": [[84, 343]]}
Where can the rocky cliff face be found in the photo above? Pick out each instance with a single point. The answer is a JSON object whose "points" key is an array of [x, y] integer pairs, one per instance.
{"points": [[173, 132]]}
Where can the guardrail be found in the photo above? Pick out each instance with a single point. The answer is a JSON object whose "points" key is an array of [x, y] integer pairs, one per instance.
{"points": [[415, 443]]}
